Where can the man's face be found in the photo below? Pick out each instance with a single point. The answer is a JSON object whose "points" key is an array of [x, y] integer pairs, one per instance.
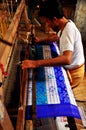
{"points": [[51, 23], [47, 21]]}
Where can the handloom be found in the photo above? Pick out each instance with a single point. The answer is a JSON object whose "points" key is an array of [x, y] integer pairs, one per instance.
{"points": [[54, 97]]}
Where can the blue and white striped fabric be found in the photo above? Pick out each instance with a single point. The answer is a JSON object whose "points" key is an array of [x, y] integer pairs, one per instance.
{"points": [[54, 96]]}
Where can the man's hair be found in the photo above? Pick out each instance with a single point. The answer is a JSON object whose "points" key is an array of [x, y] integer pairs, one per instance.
{"points": [[50, 9]]}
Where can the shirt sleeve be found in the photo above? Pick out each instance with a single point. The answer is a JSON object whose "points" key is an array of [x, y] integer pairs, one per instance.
{"points": [[67, 38]]}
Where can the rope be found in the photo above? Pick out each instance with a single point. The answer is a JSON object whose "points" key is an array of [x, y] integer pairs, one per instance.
{"points": [[5, 42], [2, 70]]}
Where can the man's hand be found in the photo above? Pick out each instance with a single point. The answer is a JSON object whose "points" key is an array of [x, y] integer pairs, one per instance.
{"points": [[29, 64], [36, 39]]}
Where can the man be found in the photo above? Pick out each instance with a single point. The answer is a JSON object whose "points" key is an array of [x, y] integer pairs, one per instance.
{"points": [[70, 43]]}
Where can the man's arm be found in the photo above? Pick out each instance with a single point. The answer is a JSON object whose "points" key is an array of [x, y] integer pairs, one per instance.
{"points": [[64, 59], [49, 38]]}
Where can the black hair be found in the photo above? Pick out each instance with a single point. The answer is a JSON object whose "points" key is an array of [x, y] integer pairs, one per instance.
{"points": [[50, 9]]}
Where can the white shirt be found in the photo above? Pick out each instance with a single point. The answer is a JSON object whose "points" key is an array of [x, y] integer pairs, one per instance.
{"points": [[71, 40]]}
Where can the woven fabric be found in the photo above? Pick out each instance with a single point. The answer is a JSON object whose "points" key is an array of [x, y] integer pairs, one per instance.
{"points": [[54, 96]]}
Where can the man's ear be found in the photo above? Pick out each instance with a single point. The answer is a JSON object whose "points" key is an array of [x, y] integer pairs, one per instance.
{"points": [[54, 18]]}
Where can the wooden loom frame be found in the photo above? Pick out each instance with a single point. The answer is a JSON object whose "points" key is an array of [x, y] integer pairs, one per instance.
{"points": [[5, 51]]}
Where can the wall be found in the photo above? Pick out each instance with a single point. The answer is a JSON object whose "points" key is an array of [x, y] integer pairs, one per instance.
{"points": [[80, 21], [80, 17]]}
